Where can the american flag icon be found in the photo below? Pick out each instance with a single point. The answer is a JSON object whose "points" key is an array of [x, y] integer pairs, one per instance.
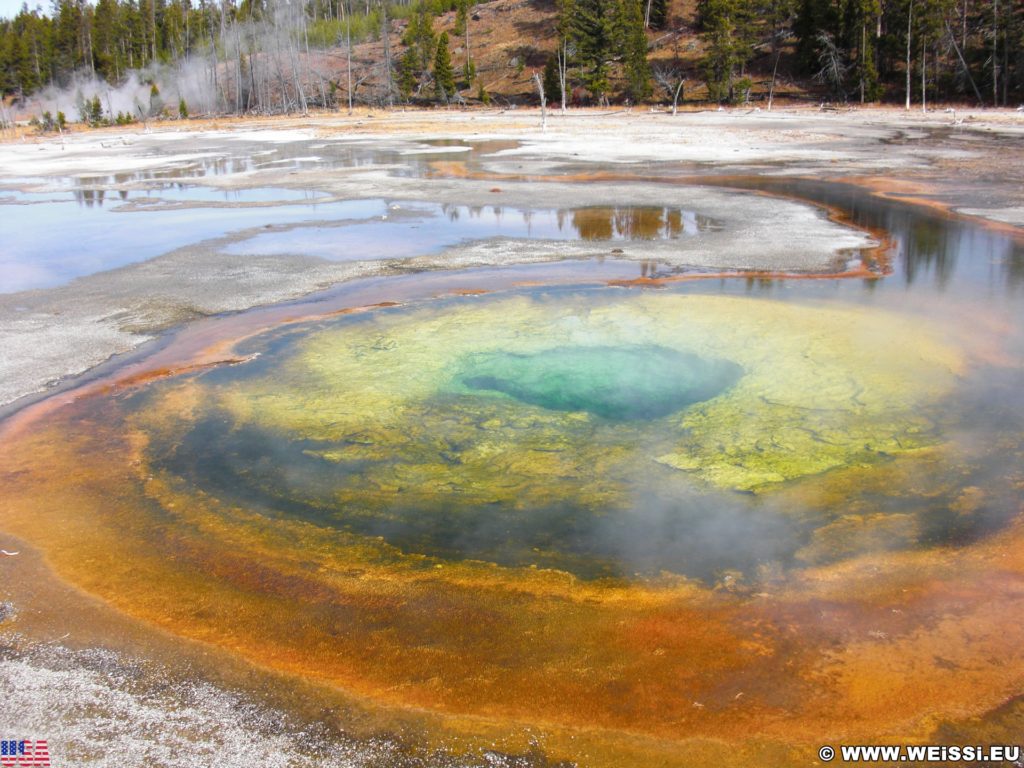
{"points": [[24, 753]]}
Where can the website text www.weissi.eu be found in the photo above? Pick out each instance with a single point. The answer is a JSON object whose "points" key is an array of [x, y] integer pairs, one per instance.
{"points": [[922, 753]]}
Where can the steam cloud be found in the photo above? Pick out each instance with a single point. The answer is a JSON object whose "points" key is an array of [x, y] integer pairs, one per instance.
{"points": [[189, 80]]}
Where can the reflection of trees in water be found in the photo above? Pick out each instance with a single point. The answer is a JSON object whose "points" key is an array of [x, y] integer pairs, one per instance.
{"points": [[929, 246], [89, 197], [927, 249], [1013, 267], [644, 223], [191, 170], [634, 223], [593, 223], [937, 248], [757, 284]]}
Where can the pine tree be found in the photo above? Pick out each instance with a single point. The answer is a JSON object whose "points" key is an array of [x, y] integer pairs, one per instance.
{"points": [[172, 29], [408, 81], [95, 112], [156, 102], [719, 60], [634, 50], [105, 39], [444, 75], [461, 16], [552, 86], [67, 38], [657, 14], [813, 17], [728, 29], [11, 57], [462, 29], [862, 16], [419, 36], [31, 51], [590, 25], [133, 33]]}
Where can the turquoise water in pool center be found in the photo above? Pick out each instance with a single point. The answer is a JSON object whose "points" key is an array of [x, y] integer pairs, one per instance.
{"points": [[618, 383]]}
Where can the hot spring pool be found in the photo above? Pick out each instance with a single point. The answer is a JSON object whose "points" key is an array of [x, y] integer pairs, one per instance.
{"points": [[738, 516]]}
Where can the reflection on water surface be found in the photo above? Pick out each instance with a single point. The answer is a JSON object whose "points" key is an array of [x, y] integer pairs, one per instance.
{"points": [[156, 220], [413, 229]]}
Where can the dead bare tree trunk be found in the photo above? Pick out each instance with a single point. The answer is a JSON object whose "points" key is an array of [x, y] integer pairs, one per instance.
{"points": [[924, 70], [963, 32], [348, 52], [305, 36], [910, 17], [214, 67], [543, 102], [87, 28], [386, 38], [469, 59], [670, 77], [238, 69], [963, 64], [860, 56], [995, 53], [152, 26], [253, 87], [300, 89], [281, 82], [6, 124], [563, 69], [771, 88], [1006, 71]]}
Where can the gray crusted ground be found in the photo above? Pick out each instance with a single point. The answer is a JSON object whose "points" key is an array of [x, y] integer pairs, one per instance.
{"points": [[100, 709]]}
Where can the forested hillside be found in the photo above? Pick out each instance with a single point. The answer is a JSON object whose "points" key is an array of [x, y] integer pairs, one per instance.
{"points": [[129, 59]]}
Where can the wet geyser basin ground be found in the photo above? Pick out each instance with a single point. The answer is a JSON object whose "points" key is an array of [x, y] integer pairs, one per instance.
{"points": [[520, 513], [647, 524]]}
